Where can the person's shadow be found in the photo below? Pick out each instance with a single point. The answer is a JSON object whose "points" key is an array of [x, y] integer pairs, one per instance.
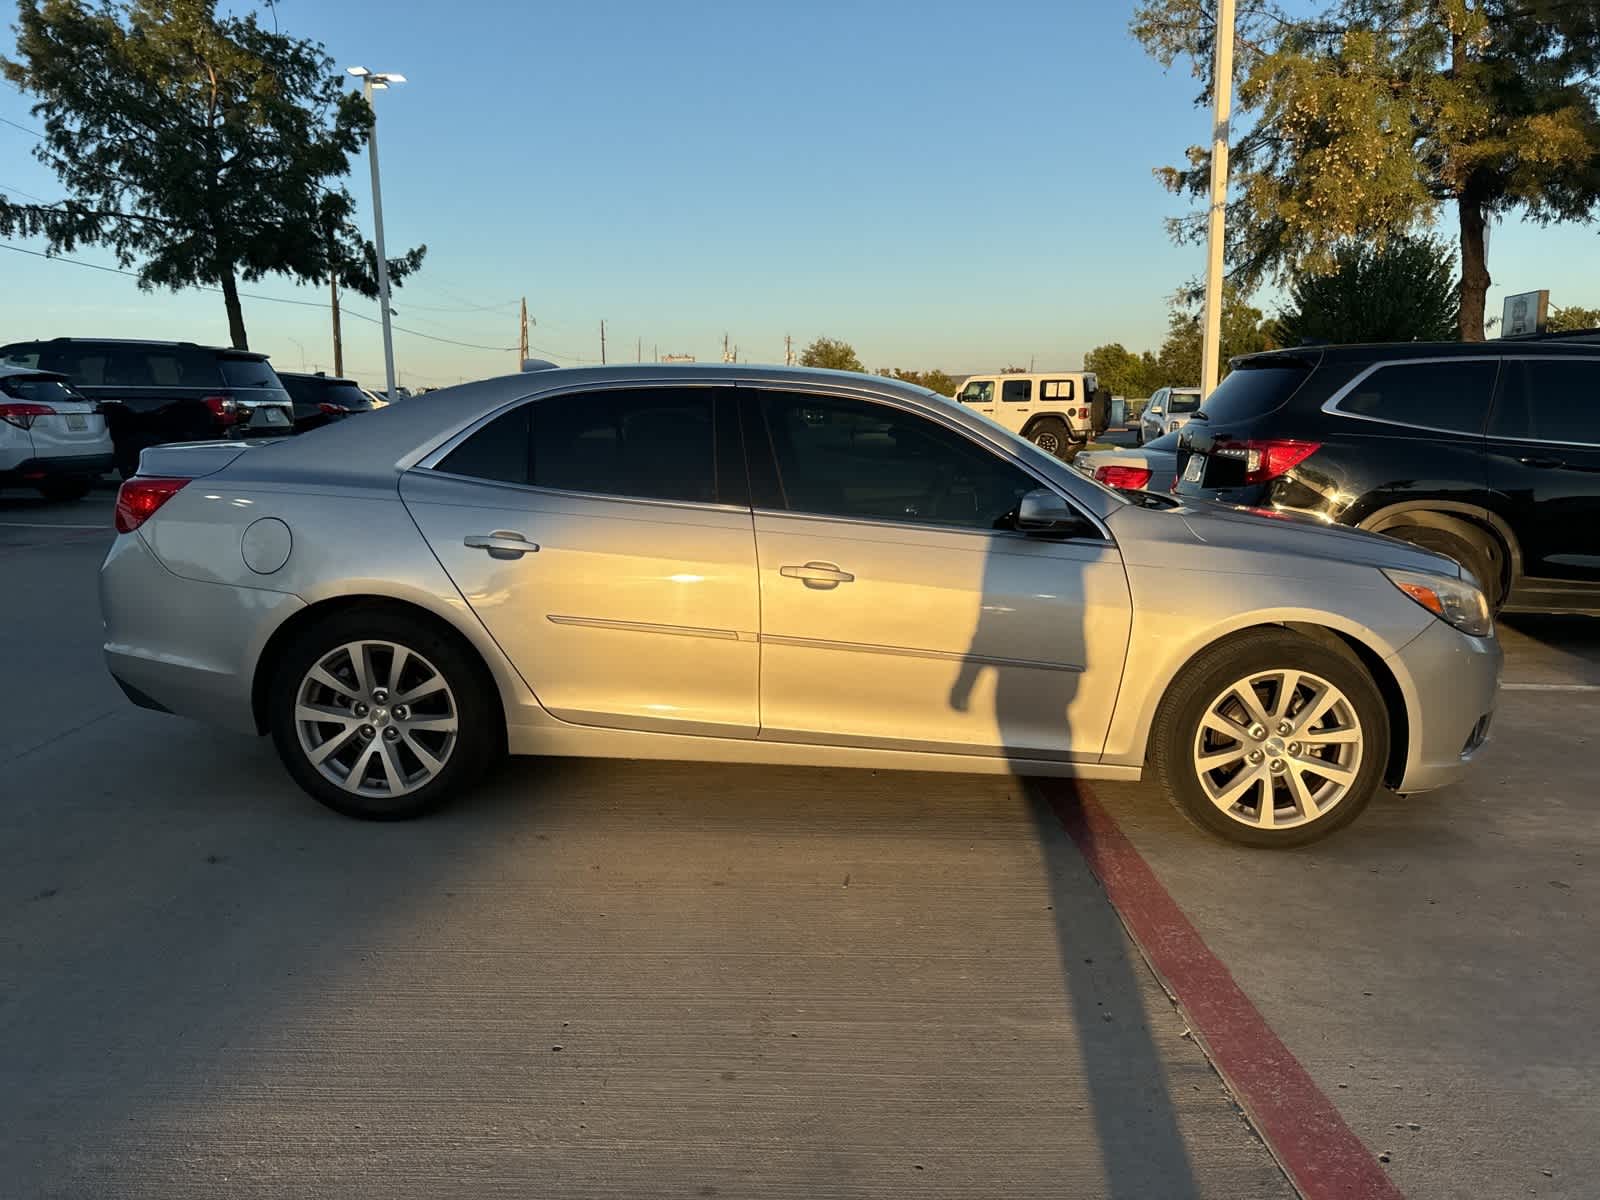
{"points": [[1029, 644]]}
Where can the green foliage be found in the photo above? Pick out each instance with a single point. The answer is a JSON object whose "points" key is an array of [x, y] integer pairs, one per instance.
{"points": [[831, 353], [1571, 318], [1177, 364], [1120, 371], [198, 147], [1402, 291], [935, 381], [1361, 119]]}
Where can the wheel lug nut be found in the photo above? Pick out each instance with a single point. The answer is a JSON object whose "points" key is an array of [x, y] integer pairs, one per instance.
{"points": [[1294, 747], [1256, 756], [359, 709], [368, 731], [1277, 766], [380, 695], [1258, 732], [400, 712], [391, 734], [1285, 727]]}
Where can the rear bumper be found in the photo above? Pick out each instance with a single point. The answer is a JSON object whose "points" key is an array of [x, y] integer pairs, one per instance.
{"points": [[1451, 683], [33, 471], [182, 646]]}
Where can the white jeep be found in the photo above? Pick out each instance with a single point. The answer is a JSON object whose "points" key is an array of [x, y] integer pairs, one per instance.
{"points": [[1052, 409]]}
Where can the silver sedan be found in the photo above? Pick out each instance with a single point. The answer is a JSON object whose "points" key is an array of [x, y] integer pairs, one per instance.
{"points": [[776, 566]]}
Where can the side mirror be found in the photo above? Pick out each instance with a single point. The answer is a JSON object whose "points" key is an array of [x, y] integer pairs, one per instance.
{"points": [[1042, 511]]}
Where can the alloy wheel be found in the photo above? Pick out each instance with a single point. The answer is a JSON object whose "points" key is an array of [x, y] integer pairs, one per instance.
{"points": [[376, 718], [1278, 749]]}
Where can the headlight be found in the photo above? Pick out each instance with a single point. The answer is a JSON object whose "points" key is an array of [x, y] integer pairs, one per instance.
{"points": [[1454, 601]]}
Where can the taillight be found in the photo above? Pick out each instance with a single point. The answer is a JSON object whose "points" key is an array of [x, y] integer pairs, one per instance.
{"points": [[139, 498], [23, 415], [225, 408], [1264, 460], [1132, 479], [333, 410]]}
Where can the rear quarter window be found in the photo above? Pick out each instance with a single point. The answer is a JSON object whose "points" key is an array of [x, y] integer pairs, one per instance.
{"points": [[1452, 396]]}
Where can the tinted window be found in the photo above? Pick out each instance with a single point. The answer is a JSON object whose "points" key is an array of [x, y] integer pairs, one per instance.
{"points": [[498, 451], [1055, 389], [130, 366], [1549, 400], [651, 443], [1016, 391], [1183, 402], [248, 373], [1249, 391], [25, 355], [38, 391], [978, 392], [851, 458], [1443, 395]]}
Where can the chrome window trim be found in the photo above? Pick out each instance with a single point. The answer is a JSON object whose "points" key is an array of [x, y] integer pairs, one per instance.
{"points": [[1331, 404]]}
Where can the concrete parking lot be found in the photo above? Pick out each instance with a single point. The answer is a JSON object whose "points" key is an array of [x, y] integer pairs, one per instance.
{"points": [[629, 979]]}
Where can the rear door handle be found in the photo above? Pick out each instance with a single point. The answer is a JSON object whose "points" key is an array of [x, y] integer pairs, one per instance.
{"points": [[1541, 463], [502, 543], [818, 574]]}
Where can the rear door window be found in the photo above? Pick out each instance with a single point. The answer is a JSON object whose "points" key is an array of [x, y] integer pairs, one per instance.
{"points": [[498, 452], [1016, 391], [644, 443], [1549, 400], [1452, 396]]}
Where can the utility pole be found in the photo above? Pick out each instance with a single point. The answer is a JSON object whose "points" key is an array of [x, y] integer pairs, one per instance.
{"points": [[656, 350], [1216, 226], [522, 344], [602, 341], [788, 350], [369, 81], [726, 356], [338, 341]]}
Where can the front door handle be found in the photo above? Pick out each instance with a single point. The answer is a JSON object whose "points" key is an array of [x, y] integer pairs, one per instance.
{"points": [[818, 574], [1541, 463], [502, 543]]}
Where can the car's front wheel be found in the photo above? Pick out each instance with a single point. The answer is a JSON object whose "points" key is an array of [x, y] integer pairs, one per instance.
{"points": [[379, 715], [1272, 739]]}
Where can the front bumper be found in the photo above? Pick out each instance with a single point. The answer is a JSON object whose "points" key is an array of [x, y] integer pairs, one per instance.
{"points": [[31, 472], [1451, 683], [181, 645]]}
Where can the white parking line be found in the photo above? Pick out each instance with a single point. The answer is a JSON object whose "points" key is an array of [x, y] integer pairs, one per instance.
{"points": [[43, 525], [1550, 687]]}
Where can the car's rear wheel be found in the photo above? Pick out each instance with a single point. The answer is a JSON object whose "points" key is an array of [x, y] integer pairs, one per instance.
{"points": [[64, 489], [379, 715], [1051, 435], [1272, 739]]}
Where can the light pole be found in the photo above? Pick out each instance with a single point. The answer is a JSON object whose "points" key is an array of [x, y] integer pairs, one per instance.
{"points": [[378, 81], [1222, 84]]}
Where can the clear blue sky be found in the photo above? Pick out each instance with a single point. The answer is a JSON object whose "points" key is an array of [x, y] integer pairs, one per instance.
{"points": [[941, 184]]}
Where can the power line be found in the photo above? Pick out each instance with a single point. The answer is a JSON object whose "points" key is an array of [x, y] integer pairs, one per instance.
{"points": [[24, 128], [28, 195], [317, 304]]}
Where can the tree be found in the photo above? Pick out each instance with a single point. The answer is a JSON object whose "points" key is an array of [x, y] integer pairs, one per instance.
{"points": [[1571, 318], [1117, 368], [1364, 119], [935, 381], [831, 353], [1404, 291], [199, 148], [1243, 332]]}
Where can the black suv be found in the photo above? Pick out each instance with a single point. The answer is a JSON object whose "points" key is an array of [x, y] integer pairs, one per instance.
{"points": [[1488, 452], [156, 392], [319, 399]]}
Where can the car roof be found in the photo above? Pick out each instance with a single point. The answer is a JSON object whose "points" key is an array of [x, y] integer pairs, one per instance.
{"points": [[227, 351], [11, 371], [316, 377], [1370, 351]]}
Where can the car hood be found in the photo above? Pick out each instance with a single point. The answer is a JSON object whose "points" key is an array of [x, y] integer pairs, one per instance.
{"points": [[1271, 534]]}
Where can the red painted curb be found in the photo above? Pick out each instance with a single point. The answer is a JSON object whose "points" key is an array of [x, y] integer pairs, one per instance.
{"points": [[1323, 1158]]}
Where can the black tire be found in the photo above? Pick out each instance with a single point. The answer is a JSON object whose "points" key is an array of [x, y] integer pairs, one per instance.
{"points": [[1204, 680], [1473, 550], [1051, 435], [479, 740], [64, 489]]}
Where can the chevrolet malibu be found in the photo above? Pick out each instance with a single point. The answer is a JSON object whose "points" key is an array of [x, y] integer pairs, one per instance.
{"points": [[776, 566]]}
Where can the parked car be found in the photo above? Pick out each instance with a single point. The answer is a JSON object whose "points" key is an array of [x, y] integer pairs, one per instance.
{"points": [[1052, 409], [320, 399], [1487, 452], [51, 438], [1151, 467], [776, 565], [157, 392], [1167, 411]]}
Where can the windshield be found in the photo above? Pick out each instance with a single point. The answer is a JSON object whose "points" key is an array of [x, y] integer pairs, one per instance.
{"points": [[1251, 389]]}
